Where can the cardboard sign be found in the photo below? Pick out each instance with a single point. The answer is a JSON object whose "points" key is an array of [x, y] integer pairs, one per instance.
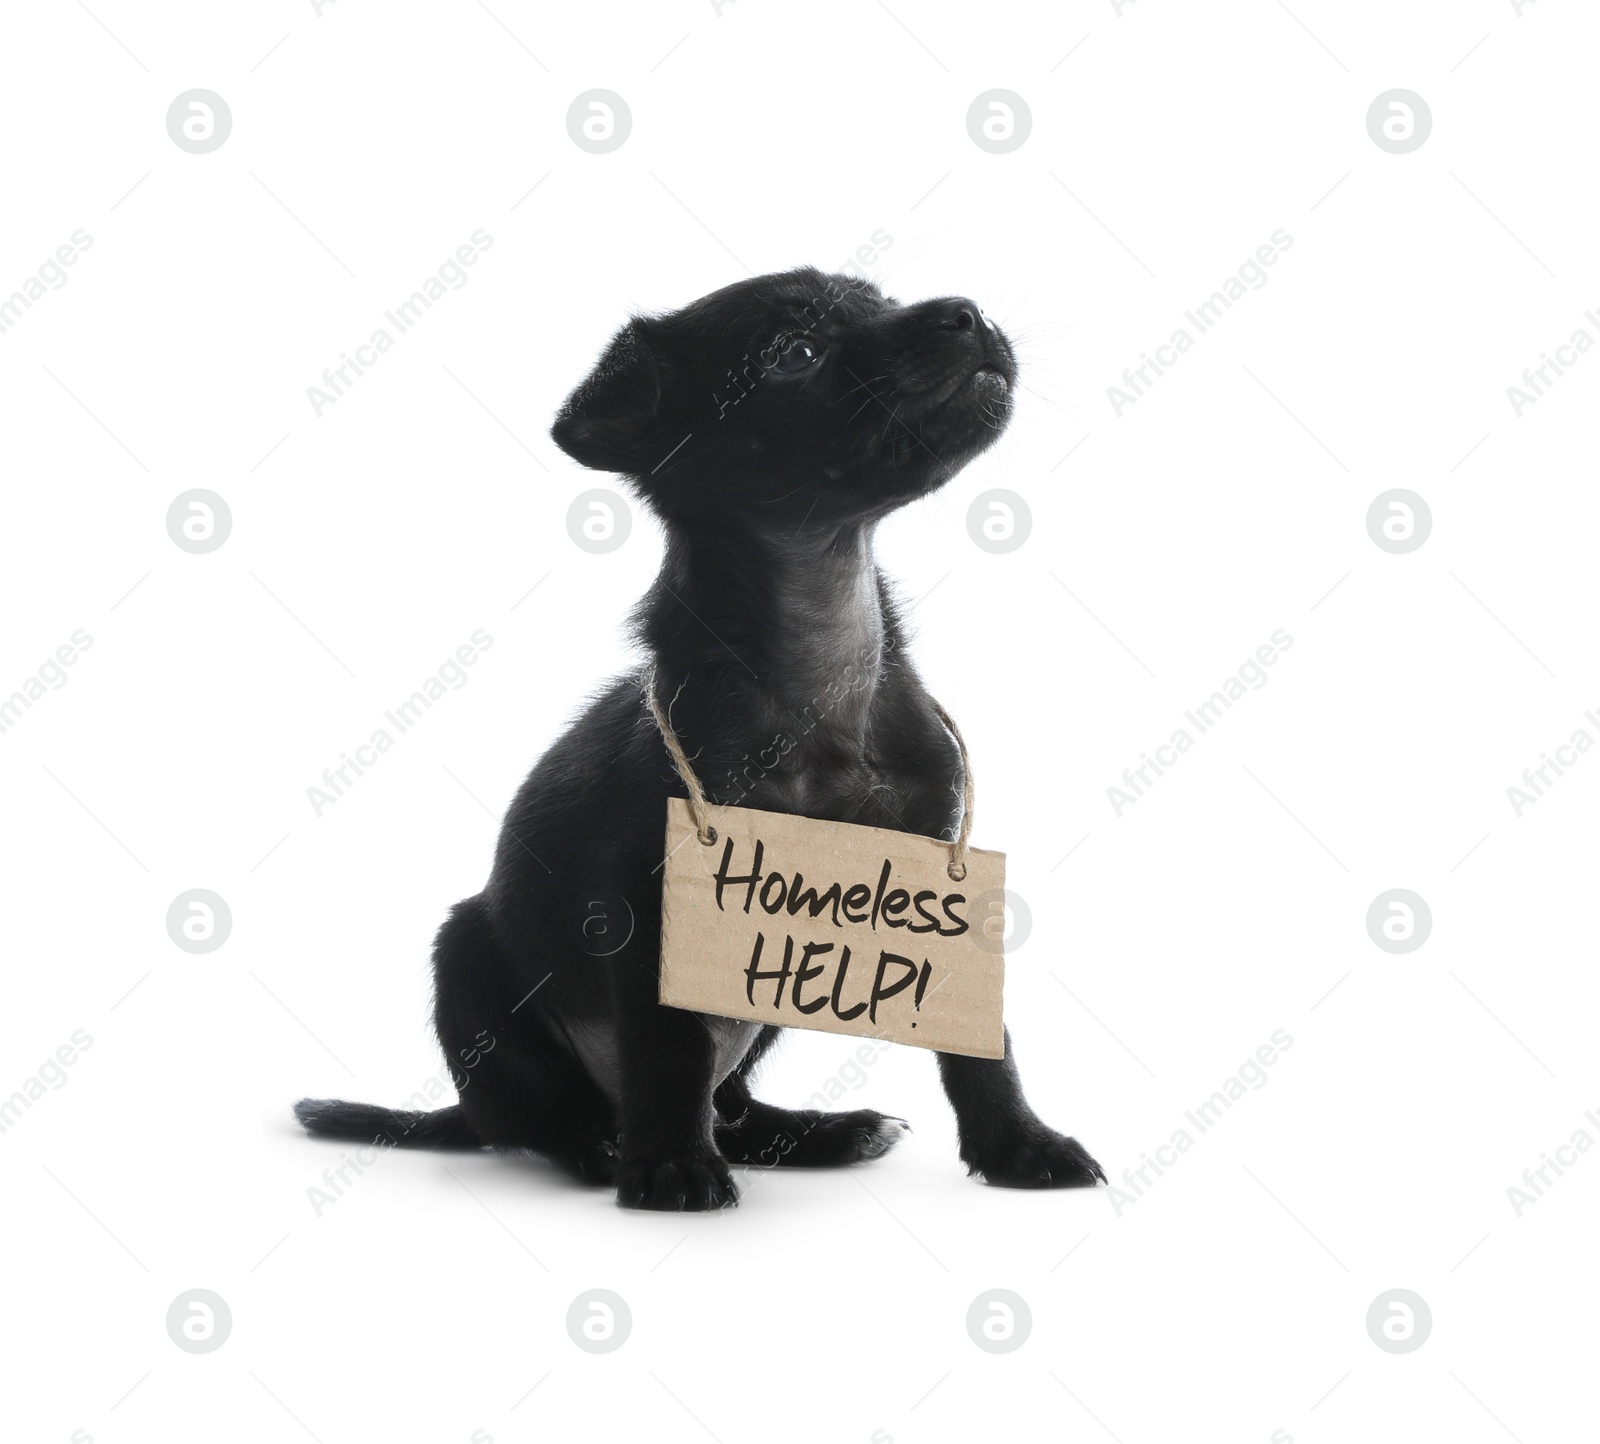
{"points": [[833, 926]]}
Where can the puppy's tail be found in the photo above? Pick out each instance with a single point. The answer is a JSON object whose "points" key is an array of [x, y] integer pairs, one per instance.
{"points": [[386, 1127]]}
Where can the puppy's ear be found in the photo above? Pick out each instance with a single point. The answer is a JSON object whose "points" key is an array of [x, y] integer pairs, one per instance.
{"points": [[612, 422]]}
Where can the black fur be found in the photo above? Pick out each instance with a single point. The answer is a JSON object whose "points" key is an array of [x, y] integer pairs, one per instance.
{"points": [[770, 426]]}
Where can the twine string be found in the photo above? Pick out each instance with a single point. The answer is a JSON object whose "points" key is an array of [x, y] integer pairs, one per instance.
{"points": [[680, 759], [957, 867]]}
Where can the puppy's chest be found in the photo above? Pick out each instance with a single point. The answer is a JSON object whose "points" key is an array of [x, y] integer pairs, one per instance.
{"points": [[838, 785], [815, 793]]}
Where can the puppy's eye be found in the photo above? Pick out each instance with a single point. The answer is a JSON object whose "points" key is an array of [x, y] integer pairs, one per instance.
{"points": [[796, 356]]}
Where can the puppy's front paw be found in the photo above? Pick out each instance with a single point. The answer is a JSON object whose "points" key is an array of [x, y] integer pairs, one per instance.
{"points": [[865, 1134], [1038, 1159], [676, 1185]]}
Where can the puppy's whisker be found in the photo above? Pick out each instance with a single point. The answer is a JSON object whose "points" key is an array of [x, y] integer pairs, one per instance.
{"points": [[852, 391], [1038, 330], [1053, 402], [868, 402], [1014, 309]]}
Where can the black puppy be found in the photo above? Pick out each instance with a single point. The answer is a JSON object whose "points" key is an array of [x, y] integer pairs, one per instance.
{"points": [[771, 426]]}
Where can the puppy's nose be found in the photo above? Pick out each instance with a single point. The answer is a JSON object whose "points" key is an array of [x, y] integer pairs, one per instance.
{"points": [[959, 314]]}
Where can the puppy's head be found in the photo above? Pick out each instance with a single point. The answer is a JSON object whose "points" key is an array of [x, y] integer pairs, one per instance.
{"points": [[796, 395]]}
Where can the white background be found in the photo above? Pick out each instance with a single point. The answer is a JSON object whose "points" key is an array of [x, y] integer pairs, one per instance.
{"points": [[1228, 1302]]}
